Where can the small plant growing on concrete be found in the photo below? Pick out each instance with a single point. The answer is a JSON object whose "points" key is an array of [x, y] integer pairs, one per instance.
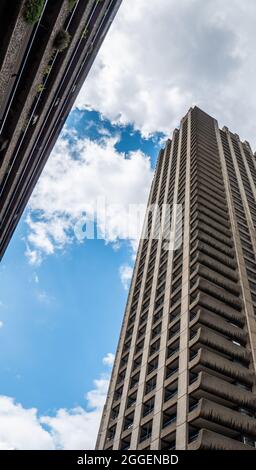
{"points": [[40, 88], [84, 32], [47, 70], [71, 4], [32, 10], [62, 40]]}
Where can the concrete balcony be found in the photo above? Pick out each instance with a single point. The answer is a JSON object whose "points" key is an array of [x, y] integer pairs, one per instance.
{"points": [[212, 223], [221, 367], [219, 418], [219, 218], [210, 204], [217, 255], [217, 266], [218, 279], [218, 307], [209, 440], [213, 388], [219, 293], [208, 318], [207, 337], [214, 233]]}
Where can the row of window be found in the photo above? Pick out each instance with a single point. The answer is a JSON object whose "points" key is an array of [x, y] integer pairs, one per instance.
{"points": [[153, 364], [243, 228], [169, 416]]}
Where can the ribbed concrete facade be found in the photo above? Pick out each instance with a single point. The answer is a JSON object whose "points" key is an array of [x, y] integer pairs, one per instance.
{"points": [[185, 367], [39, 84]]}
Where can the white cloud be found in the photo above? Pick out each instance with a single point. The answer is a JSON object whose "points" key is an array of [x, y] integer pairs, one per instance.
{"points": [[78, 428], [108, 360], [1, 324], [20, 428], [96, 397], [125, 272], [75, 176], [24, 429], [34, 256], [73, 429], [163, 56]]}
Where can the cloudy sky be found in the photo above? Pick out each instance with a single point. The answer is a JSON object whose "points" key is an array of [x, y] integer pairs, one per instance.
{"points": [[159, 58]]}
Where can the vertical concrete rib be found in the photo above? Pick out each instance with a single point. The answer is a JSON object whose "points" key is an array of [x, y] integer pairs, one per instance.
{"points": [[157, 416], [182, 402], [143, 372], [249, 174], [243, 192]]}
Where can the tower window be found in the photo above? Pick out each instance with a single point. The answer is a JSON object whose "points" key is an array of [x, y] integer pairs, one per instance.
{"points": [[148, 406], [152, 365], [150, 385], [145, 431]]}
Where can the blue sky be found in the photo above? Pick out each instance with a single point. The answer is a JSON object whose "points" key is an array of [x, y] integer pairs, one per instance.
{"points": [[62, 314], [57, 330], [65, 301]]}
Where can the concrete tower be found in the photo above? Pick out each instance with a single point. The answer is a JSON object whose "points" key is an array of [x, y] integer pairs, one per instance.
{"points": [[184, 373]]}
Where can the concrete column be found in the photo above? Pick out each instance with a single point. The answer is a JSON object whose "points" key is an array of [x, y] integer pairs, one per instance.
{"points": [[182, 402], [157, 418]]}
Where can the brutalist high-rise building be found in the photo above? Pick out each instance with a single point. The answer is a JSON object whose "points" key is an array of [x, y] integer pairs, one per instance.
{"points": [[184, 373]]}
